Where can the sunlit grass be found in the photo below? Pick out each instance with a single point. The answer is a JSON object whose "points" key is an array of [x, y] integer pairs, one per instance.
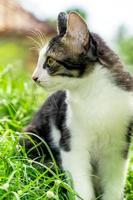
{"points": [[21, 177]]}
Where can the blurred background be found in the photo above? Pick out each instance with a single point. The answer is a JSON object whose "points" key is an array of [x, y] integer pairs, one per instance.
{"points": [[25, 25], [23, 21]]}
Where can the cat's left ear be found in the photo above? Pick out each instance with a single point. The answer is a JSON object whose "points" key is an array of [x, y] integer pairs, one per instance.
{"points": [[77, 29], [62, 23]]}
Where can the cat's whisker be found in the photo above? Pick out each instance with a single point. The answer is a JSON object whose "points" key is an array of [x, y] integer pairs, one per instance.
{"points": [[37, 38], [34, 48], [40, 36], [34, 39], [35, 42]]}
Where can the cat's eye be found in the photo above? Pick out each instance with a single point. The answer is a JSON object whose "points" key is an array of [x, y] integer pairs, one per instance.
{"points": [[50, 62]]}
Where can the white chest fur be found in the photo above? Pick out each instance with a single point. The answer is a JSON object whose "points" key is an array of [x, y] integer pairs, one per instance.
{"points": [[98, 115], [98, 111]]}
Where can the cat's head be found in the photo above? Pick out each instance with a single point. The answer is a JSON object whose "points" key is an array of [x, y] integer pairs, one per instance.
{"points": [[68, 57]]}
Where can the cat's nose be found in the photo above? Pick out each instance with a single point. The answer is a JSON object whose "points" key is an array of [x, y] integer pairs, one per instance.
{"points": [[35, 78]]}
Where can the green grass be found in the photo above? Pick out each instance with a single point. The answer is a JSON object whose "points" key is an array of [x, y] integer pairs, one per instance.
{"points": [[21, 177]]}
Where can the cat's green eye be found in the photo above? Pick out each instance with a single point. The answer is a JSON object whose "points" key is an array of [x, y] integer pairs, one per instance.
{"points": [[50, 61]]}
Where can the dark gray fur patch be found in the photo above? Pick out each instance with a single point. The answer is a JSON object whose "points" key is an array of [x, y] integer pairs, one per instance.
{"points": [[62, 23], [109, 59], [54, 109], [128, 139]]}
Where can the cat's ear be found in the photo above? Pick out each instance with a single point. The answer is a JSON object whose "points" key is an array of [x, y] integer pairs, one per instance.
{"points": [[77, 29], [62, 23]]}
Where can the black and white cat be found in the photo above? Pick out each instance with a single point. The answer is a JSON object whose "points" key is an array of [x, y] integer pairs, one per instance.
{"points": [[88, 121]]}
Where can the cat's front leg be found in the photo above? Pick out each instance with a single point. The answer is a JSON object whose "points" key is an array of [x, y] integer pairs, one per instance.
{"points": [[77, 164], [113, 172]]}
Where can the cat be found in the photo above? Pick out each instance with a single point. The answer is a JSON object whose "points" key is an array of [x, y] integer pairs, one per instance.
{"points": [[87, 121]]}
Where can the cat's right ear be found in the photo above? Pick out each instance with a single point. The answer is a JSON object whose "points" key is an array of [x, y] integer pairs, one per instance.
{"points": [[77, 30], [62, 23]]}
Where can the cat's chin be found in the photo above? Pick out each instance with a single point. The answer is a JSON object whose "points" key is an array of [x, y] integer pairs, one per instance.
{"points": [[59, 83], [50, 88]]}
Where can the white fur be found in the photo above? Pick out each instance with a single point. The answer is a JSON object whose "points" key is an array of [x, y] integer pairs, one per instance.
{"points": [[98, 115], [55, 134], [39, 72]]}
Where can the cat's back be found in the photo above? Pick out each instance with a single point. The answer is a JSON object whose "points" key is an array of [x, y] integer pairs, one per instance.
{"points": [[56, 100], [53, 108]]}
